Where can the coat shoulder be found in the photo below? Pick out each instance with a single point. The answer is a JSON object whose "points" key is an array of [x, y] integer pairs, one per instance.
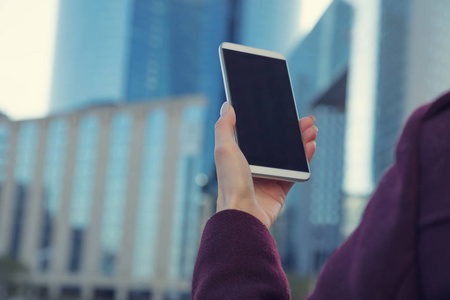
{"points": [[442, 103]]}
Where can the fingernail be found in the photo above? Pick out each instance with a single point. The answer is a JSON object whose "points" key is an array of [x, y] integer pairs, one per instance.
{"points": [[315, 144], [312, 117], [317, 129], [225, 108]]}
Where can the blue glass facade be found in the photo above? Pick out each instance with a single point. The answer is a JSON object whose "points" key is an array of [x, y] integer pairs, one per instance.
{"points": [[221, 23], [170, 47], [114, 200], [54, 170], [150, 195], [135, 50], [392, 77], [270, 24], [132, 50], [318, 69], [188, 195], [325, 207], [91, 53], [82, 187], [27, 139], [147, 73]]}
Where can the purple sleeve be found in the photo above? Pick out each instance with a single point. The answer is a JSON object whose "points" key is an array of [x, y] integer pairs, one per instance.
{"points": [[379, 260], [401, 250], [238, 259], [434, 209]]}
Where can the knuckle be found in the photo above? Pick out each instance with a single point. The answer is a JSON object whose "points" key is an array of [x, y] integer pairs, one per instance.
{"points": [[219, 124], [223, 150]]}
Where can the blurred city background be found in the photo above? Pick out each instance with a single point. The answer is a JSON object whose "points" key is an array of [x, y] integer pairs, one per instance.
{"points": [[106, 132]]}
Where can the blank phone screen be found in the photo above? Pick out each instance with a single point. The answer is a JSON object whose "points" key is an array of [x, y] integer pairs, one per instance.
{"points": [[267, 127]]}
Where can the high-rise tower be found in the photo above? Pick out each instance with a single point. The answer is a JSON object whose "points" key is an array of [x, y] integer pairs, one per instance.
{"points": [[131, 50], [413, 67]]}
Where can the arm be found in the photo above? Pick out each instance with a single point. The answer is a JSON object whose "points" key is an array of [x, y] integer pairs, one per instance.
{"points": [[238, 258]]}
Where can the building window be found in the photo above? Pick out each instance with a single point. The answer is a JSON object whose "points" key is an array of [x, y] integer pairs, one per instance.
{"points": [[185, 234], [4, 148], [115, 191], [150, 194], [141, 294], [326, 190], [105, 293], [70, 292], [23, 175], [53, 183], [82, 187]]}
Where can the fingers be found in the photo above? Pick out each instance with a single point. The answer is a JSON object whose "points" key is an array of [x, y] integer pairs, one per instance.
{"points": [[306, 123], [310, 134], [310, 148]]}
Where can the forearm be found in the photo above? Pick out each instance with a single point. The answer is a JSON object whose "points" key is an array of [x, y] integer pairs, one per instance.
{"points": [[238, 259]]}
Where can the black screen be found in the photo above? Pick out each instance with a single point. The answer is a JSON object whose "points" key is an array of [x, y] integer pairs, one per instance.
{"points": [[267, 127]]}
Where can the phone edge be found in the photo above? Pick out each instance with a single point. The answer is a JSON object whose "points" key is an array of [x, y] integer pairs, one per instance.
{"points": [[261, 173]]}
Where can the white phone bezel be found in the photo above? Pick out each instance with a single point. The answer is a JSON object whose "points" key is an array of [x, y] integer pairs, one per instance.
{"points": [[261, 171]]}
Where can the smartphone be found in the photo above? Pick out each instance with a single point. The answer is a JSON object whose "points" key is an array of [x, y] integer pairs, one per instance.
{"points": [[258, 86]]}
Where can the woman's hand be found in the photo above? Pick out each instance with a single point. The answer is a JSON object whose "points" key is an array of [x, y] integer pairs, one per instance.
{"points": [[262, 198]]}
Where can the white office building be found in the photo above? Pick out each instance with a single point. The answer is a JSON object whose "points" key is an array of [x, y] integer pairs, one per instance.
{"points": [[103, 203]]}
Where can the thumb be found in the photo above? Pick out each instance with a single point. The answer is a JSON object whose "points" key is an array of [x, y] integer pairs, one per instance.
{"points": [[233, 173], [224, 128]]}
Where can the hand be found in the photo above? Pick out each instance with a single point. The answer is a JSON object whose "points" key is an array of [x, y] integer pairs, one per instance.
{"points": [[262, 198]]}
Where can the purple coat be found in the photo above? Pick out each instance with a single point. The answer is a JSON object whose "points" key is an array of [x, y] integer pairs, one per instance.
{"points": [[401, 249]]}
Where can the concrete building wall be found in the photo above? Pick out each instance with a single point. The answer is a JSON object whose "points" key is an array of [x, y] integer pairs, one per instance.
{"points": [[60, 272]]}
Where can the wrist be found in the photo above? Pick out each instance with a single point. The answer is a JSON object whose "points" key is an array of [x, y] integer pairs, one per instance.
{"points": [[249, 206]]}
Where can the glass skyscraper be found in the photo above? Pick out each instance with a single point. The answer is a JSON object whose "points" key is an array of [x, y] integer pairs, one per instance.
{"points": [[413, 64], [134, 50], [269, 24], [318, 68], [389, 107], [91, 55]]}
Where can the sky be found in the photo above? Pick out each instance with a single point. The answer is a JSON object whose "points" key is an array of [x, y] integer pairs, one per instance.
{"points": [[27, 34], [27, 42], [311, 11]]}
